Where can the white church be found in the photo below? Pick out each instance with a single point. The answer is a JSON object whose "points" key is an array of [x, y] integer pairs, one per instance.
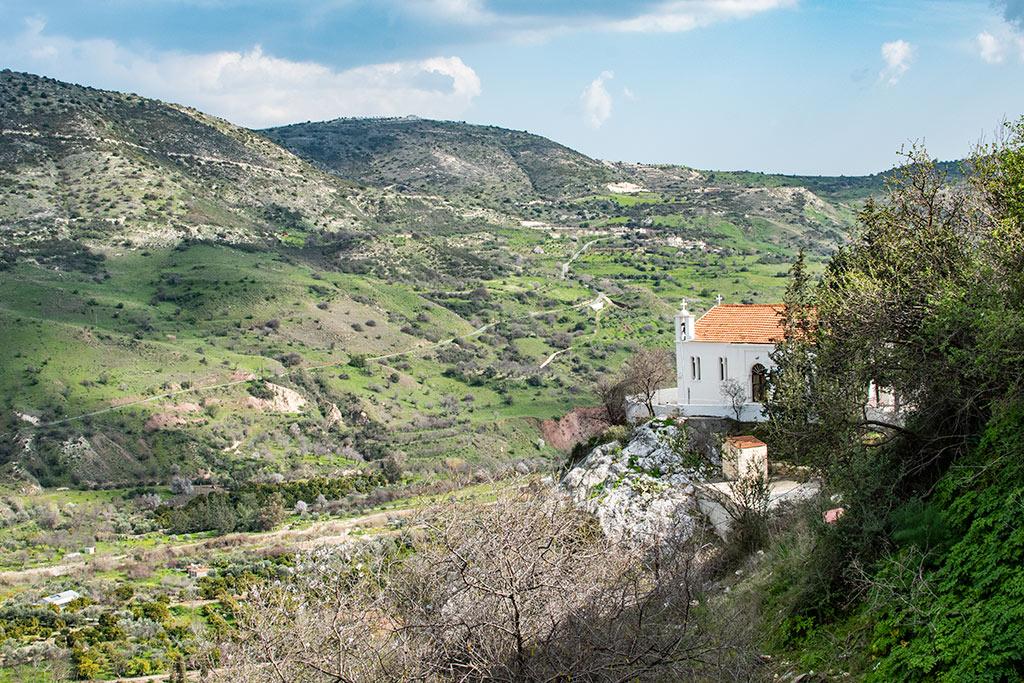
{"points": [[728, 349], [729, 346]]}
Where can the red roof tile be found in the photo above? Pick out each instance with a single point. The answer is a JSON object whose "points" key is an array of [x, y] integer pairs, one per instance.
{"points": [[745, 441], [740, 324]]}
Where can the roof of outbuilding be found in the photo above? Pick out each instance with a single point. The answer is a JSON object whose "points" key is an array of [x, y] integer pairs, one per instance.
{"points": [[740, 324], [745, 441], [61, 598]]}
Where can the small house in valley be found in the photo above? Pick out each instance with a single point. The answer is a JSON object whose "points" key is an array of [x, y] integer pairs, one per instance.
{"points": [[60, 600], [196, 571]]}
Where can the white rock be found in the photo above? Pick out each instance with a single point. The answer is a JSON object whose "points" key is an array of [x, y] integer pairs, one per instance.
{"points": [[638, 491]]}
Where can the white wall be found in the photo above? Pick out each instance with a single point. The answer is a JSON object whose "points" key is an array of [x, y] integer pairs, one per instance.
{"points": [[702, 395]]}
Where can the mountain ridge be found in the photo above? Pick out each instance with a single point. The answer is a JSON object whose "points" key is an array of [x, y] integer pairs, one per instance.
{"points": [[447, 157]]}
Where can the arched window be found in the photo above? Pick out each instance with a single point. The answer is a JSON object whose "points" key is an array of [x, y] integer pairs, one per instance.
{"points": [[758, 383]]}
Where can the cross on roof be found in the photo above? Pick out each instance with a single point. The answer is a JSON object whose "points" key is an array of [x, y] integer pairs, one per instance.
{"points": [[719, 299]]}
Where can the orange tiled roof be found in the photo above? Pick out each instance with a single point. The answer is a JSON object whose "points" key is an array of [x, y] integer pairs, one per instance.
{"points": [[740, 324], [744, 441]]}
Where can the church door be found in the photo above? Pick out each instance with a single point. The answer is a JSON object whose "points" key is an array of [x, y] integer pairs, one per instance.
{"points": [[758, 383]]}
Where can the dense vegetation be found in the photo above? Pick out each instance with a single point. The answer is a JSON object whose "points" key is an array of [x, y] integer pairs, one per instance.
{"points": [[923, 569]]}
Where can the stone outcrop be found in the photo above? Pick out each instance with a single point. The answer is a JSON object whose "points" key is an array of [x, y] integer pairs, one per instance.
{"points": [[334, 416], [158, 421], [285, 400], [641, 490]]}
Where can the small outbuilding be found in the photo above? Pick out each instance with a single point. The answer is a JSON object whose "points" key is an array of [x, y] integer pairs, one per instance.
{"points": [[744, 456], [60, 599]]}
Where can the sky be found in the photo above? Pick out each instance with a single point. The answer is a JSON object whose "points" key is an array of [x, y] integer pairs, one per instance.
{"points": [[789, 86]]}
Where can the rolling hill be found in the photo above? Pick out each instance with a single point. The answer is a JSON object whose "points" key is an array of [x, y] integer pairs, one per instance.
{"points": [[158, 265], [444, 157]]}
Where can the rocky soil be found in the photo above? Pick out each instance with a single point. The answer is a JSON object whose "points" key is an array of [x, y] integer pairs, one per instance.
{"points": [[574, 427]]}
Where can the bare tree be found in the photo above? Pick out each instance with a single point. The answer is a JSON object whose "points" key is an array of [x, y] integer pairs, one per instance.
{"points": [[524, 589], [736, 394], [647, 371], [612, 393]]}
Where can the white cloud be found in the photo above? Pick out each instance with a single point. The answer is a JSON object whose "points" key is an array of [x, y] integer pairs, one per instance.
{"points": [[990, 48], [667, 16], [993, 48], [251, 88], [897, 56], [597, 102], [628, 94], [468, 12], [674, 16]]}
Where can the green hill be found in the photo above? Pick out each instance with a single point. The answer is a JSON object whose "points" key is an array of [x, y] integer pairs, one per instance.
{"points": [[444, 157], [152, 253]]}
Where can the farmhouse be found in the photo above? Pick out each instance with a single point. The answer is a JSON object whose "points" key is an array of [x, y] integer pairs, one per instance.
{"points": [[196, 571]]}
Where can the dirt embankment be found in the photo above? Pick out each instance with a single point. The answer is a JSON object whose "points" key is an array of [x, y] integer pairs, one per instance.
{"points": [[574, 427], [285, 400]]}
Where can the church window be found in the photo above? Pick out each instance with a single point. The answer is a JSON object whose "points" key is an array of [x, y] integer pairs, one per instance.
{"points": [[695, 367], [723, 369]]}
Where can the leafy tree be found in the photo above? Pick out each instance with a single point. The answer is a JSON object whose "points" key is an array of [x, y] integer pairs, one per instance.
{"points": [[391, 469], [928, 298], [86, 668], [272, 513]]}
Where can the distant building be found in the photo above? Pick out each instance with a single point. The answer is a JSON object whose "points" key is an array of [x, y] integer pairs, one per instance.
{"points": [[89, 550], [60, 599], [196, 571]]}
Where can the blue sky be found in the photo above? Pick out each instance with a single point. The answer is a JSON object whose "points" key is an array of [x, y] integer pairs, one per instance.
{"points": [[794, 86]]}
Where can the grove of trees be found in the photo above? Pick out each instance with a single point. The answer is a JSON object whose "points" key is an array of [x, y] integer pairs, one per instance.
{"points": [[928, 298]]}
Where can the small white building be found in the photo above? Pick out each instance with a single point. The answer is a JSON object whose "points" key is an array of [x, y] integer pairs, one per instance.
{"points": [[60, 599], [726, 349], [744, 456]]}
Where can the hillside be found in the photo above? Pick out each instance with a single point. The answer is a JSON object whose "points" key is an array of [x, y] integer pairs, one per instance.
{"points": [[444, 157], [545, 183], [109, 167], [217, 352], [152, 253]]}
